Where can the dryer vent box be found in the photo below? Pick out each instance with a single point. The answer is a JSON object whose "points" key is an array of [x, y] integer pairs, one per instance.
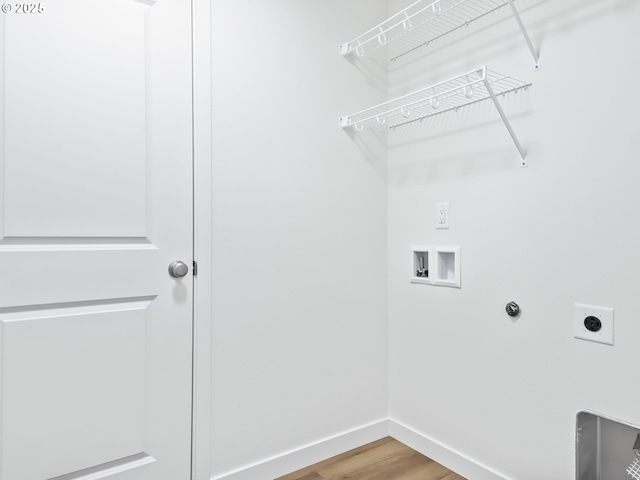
{"points": [[604, 447]]}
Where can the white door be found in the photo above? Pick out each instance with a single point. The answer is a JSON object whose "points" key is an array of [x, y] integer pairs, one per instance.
{"points": [[95, 203]]}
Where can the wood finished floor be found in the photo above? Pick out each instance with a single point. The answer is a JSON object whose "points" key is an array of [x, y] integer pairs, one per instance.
{"points": [[385, 459]]}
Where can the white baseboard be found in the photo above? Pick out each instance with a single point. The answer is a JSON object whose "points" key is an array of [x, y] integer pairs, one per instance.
{"points": [[442, 454], [309, 454], [288, 462]]}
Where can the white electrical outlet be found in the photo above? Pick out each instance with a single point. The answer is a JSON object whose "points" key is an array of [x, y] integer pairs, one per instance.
{"points": [[593, 323], [442, 215]]}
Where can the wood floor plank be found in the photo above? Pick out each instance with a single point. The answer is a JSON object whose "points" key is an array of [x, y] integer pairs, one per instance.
{"points": [[385, 459], [338, 459], [310, 476], [453, 476]]}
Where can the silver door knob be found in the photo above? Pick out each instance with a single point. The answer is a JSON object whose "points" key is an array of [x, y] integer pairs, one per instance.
{"points": [[178, 269]]}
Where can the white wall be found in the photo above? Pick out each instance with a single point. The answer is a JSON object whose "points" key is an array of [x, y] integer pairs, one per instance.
{"points": [[299, 217], [505, 393]]}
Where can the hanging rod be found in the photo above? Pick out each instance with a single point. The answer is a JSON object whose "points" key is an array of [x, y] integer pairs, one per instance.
{"points": [[458, 92], [424, 21]]}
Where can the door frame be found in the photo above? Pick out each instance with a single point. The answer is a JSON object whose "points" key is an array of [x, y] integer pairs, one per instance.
{"points": [[203, 223]]}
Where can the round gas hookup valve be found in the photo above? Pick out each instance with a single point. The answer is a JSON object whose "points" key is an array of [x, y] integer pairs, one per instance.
{"points": [[513, 309]]}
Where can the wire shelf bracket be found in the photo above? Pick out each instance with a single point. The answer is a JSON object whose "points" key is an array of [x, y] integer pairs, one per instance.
{"points": [[525, 34], [424, 21], [451, 95]]}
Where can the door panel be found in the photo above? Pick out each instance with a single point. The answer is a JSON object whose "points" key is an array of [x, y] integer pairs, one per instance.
{"points": [[96, 179], [96, 406], [75, 110]]}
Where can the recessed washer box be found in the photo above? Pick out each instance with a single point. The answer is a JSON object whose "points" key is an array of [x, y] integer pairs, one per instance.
{"points": [[435, 265], [420, 266]]}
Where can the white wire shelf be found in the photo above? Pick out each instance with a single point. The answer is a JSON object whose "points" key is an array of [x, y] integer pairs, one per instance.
{"points": [[450, 95], [425, 21]]}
